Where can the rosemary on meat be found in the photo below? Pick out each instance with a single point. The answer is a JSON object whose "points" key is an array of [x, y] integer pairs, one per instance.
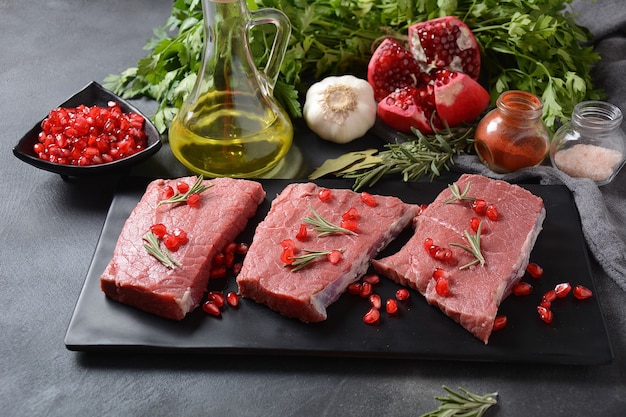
{"points": [[463, 403], [301, 261], [324, 227], [473, 248], [153, 247], [198, 187], [457, 194]]}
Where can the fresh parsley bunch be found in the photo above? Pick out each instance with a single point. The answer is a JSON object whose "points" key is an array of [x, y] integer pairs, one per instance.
{"points": [[532, 45]]}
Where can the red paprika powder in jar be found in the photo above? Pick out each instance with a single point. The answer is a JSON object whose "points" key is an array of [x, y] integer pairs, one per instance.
{"points": [[513, 136]]}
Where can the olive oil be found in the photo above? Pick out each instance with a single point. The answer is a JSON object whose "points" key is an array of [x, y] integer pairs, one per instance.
{"points": [[230, 140]]}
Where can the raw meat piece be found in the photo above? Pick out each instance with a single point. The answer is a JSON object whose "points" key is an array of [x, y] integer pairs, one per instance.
{"points": [[138, 279], [475, 292], [306, 293]]}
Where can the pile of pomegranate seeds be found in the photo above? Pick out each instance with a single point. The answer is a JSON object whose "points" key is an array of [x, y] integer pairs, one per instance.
{"points": [[216, 301], [90, 135]]}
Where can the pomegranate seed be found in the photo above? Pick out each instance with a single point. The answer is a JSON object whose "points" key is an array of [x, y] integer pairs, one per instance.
{"points": [[499, 323], [443, 254], [218, 272], [372, 279], [159, 230], [325, 195], [549, 296], [193, 200], [229, 259], [287, 257], [442, 287], [492, 213], [218, 259], [581, 292], [302, 233], [349, 224], [372, 316], [534, 270], [428, 244], [242, 248], [211, 308], [522, 288], [171, 242], [334, 257], [368, 199], [391, 306], [545, 303], [440, 273], [216, 297], [230, 248], [237, 268], [288, 244], [232, 299], [351, 214], [402, 294], [354, 288], [182, 187], [366, 290], [561, 290], [479, 206], [168, 192], [375, 301], [180, 235], [545, 314]]}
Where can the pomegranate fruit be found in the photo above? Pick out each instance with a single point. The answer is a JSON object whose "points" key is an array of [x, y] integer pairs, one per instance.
{"points": [[432, 83], [445, 43]]}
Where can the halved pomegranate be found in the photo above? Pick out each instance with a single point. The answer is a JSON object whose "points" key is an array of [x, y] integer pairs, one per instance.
{"points": [[432, 84], [445, 43]]}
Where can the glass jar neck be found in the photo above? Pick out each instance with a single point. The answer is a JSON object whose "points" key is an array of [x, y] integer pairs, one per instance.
{"points": [[520, 105], [596, 115]]}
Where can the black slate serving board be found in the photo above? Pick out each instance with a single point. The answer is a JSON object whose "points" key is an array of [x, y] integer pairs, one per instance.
{"points": [[576, 336]]}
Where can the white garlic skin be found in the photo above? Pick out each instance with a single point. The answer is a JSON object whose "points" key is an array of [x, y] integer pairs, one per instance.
{"points": [[340, 108]]}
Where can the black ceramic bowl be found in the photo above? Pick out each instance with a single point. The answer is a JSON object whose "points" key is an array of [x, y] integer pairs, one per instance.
{"points": [[93, 94]]}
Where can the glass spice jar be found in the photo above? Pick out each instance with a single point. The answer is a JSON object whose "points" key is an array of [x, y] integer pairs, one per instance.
{"points": [[592, 144], [513, 136]]}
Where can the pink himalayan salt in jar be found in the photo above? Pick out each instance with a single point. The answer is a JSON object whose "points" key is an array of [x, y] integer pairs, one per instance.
{"points": [[592, 144]]}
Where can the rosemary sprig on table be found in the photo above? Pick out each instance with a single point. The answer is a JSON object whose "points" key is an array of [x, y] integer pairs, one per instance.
{"points": [[413, 159], [463, 403], [153, 247], [323, 226], [473, 248], [301, 261], [197, 188]]}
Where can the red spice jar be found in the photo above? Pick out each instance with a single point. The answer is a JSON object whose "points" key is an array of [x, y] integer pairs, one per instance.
{"points": [[513, 136]]}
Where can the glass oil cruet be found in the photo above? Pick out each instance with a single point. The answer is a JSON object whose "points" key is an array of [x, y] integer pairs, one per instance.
{"points": [[230, 124]]}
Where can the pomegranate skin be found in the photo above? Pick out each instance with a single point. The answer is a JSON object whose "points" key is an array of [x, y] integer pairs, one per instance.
{"points": [[461, 99]]}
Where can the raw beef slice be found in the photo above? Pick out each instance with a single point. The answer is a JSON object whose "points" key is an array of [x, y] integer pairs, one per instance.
{"points": [[305, 294], [475, 292], [138, 279]]}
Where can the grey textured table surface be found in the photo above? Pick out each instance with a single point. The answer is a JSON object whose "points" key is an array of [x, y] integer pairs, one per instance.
{"points": [[49, 50]]}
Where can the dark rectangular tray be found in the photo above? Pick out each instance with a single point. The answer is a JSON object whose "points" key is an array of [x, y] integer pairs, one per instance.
{"points": [[576, 336]]}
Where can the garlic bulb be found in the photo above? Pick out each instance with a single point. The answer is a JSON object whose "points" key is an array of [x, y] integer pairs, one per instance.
{"points": [[340, 109]]}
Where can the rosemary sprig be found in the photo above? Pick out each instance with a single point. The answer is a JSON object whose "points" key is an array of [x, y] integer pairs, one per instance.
{"points": [[474, 247], [302, 261], [463, 403], [197, 188], [323, 226], [153, 247], [412, 159], [457, 194]]}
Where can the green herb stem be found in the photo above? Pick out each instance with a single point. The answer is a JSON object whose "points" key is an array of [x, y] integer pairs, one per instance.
{"points": [[153, 247], [323, 226], [197, 188], [463, 404], [301, 261]]}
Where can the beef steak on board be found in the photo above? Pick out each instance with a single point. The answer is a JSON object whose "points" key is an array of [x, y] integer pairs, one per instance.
{"points": [[136, 278], [304, 294], [475, 293]]}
